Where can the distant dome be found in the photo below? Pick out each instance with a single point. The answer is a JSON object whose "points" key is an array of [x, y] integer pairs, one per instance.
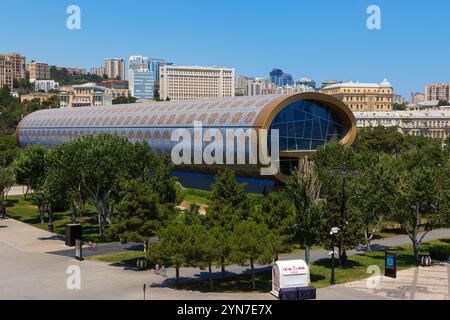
{"points": [[386, 83]]}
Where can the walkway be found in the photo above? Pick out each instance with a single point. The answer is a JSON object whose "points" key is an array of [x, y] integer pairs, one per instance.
{"points": [[28, 271]]}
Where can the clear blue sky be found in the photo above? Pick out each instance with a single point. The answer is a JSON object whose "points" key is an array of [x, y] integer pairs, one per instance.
{"points": [[325, 39]]}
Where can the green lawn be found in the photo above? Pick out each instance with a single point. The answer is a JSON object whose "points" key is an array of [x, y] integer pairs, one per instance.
{"points": [[320, 271], [23, 210], [127, 258], [197, 196]]}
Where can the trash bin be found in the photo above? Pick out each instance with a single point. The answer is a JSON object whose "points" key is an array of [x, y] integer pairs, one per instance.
{"points": [[74, 231]]}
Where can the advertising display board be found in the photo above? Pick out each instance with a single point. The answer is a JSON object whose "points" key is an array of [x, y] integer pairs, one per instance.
{"points": [[390, 265]]}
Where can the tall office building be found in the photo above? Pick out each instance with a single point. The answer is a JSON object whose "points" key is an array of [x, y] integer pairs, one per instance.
{"points": [[38, 71], [6, 72], [437, 91], [19, 65], [195, 82], [280, 78], [141, 78], [115, 68]]}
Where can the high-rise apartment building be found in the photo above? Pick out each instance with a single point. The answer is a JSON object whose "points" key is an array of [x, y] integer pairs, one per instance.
{"points": [[363, 96], [19, 65], [141, 78], [98, 71], [195, 82], [115, 68], [38, 71], [306, 82], [437, 91], [261, 87], [6, 72], [241, 85]]}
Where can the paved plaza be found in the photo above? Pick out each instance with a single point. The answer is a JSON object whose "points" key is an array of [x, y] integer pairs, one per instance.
{"points": [[31, 268]]}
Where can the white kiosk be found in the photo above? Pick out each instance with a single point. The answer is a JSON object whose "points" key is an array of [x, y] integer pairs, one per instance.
{"points": [[289, 275]]}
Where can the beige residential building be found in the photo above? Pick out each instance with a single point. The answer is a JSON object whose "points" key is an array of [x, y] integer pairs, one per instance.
{"points": [[38, 71], [6, 72], [261, 87], [194, 82], [37, 96], [290, 89], [85, 95], [19, 65], [417, 97], [363, 96], [115, 68], [73, 72], [437, 91], [116, 93], [433, 124]]}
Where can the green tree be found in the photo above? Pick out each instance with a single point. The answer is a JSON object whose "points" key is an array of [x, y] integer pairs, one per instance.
{"points": [[163, 181], [8, 150], [228, 207], [104, 162], [380, 140], [51, 195], [124, 100], [172, 247], [6, 182], [30, 167], [227, 194], [399, 106], [334, 156], [52, 102], [419, 202], [375, 193], [11, 111], [447, 144], [203, 248], [66, 166], [277, 212], [253, 243], [139, 214], [304, 191], [192, 215]]}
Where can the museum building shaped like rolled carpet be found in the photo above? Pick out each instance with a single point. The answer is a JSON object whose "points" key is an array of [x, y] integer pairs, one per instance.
{"points": [[304, 122]]}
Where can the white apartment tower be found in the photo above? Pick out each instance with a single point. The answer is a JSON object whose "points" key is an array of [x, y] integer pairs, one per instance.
{"points": [[194, 82], [115, 68]]}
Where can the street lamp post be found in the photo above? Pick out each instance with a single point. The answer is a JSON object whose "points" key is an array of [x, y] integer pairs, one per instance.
{"points": [[345, 173], [333, 234]]}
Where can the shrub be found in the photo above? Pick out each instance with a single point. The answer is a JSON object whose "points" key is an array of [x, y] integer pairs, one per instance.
{"points": [[440, 252]]}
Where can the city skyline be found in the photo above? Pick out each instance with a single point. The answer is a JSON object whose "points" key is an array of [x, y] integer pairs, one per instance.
{"points": [[332, 41]]}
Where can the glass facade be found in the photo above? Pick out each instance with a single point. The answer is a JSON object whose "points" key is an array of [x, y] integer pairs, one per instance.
{"points": [[305, 125]]}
